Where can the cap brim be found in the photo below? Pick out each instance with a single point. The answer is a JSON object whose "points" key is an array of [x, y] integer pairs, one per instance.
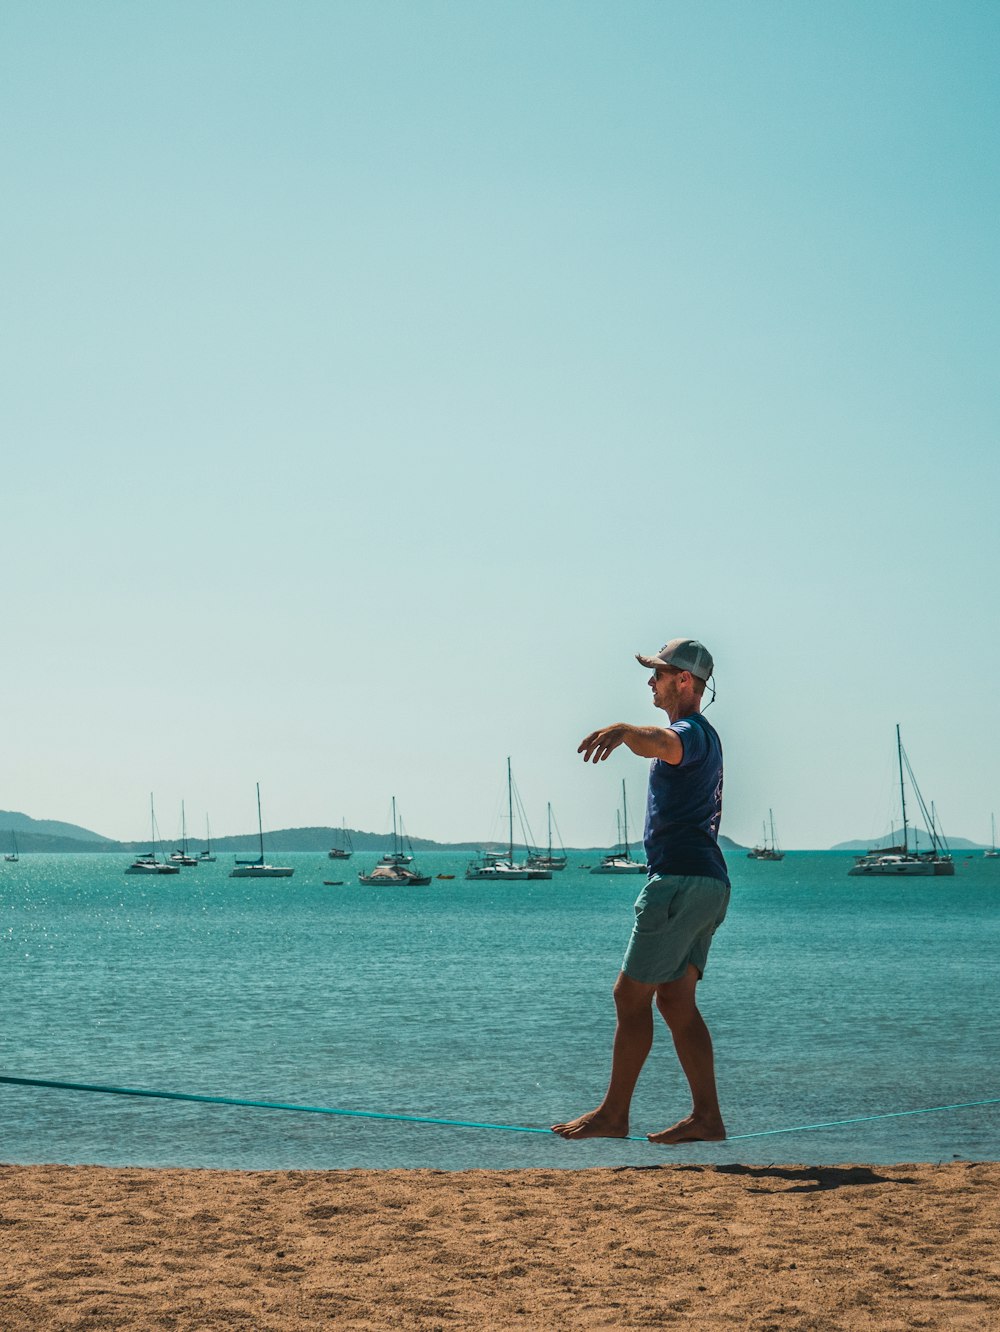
{"points": [[650, 662]]}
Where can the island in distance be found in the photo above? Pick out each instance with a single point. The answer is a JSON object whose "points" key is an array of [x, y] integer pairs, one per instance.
{"points": [[50, 835]]}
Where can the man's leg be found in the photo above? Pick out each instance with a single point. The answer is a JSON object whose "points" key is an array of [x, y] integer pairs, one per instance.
{"points": [[633, 1041], [676, 1001]]}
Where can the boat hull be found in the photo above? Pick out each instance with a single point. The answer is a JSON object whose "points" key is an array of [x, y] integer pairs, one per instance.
{"points": [[912, 869], [397, 880], [262, 872]]}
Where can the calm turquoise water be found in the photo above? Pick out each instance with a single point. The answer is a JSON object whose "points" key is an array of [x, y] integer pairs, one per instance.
{"points": [[828, 997]]}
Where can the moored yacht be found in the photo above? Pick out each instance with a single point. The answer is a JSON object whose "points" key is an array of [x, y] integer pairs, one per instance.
{"points": [[767, 850], [549, 859], [397, 866], [147, 863], [495, 865], [259, 869], [344, 847], [207, 856], [182, 856], [620, 860], [902, 860]]}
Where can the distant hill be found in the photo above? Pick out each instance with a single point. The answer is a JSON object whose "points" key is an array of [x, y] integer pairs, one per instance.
{"points": [[41, 835], [12, 821], [896, 839]]}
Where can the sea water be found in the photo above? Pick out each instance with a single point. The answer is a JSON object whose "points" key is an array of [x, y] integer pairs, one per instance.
{"points": [[828, 997]]}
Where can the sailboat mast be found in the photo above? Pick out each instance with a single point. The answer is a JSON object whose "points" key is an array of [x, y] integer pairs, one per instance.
{"points": [[624, 820], [770, 814], [902, 788], [549, 811], [510, 809], [260, 826]]}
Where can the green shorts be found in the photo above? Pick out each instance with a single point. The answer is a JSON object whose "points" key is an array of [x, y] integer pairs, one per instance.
{"points": [[676, 916]]}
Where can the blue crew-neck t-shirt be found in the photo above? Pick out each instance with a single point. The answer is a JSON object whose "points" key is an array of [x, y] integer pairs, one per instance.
{"points": [[684, 805]]}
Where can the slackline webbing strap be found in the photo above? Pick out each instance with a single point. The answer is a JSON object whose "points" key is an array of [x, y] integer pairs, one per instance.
{"points": [[448, 1123]]}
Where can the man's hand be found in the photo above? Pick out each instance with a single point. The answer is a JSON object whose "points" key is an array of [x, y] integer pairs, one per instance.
{"points": [[599, 744]]}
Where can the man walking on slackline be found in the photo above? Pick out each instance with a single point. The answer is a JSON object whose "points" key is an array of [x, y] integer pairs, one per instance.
{"points": [[680, 908]]}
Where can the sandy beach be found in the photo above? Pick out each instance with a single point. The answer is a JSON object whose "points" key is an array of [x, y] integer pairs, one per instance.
{"points": [[768, 1247]]}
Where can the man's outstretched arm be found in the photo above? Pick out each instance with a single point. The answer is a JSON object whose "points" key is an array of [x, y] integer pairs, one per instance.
{"points": [[646, 741]]}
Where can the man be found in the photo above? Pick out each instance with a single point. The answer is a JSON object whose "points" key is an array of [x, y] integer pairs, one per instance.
{"points": [[680, 908]]}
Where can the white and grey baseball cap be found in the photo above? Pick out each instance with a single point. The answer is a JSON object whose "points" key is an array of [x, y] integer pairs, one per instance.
{"points": [[685, 654]]}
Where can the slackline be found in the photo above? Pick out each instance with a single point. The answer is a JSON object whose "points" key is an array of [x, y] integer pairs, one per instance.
{"points": [[448, 1123]]}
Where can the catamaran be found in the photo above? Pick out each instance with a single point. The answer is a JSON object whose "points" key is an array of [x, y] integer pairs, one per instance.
{"points": [[496, 865], [259, 869], [620, 860], [896, 860]]}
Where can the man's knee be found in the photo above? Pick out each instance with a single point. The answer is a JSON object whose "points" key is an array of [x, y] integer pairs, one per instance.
{"points": [[631, 996], [676, 1003]]}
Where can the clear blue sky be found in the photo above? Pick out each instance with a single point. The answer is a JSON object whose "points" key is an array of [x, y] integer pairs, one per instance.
{"points": [[379, 377]]}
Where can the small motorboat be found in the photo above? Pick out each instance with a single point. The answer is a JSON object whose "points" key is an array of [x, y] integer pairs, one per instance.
{"points": [[333, 883]]}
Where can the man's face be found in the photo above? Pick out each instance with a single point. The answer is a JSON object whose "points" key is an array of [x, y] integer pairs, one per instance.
{"points": [[665, 684]]}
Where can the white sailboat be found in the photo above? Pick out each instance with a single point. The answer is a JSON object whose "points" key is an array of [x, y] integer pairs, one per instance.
{"points": [[344, 847], [494, 865], [549, 859], [901, 860], [767, 850], [620, 860], [182, 856], [12, 855], [147, 863], [992, 853], [206, 856], [259, 869]]}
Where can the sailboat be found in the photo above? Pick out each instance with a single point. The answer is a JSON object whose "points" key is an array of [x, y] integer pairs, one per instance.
{"points": [[259, 869], [182, 857], [13, 855], [344, 848], [620, 860], [396, 867], [147, 863], [496, 865], [767, 850], [206, 856], [991, 854], [549, 860], [901, 859]]}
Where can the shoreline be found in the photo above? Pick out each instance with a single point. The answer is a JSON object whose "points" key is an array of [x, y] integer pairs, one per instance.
{"points": [[780, 1246]]}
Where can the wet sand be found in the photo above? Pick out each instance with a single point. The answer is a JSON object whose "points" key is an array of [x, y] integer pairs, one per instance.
{"points": [[762, 1247]]}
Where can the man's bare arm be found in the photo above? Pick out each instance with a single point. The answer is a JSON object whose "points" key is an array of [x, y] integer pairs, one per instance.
{"points": [[646, 741]]}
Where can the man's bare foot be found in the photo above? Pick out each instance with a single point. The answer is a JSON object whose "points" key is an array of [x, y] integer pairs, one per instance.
{"points": [[691, 1130], [597, 1124]]}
